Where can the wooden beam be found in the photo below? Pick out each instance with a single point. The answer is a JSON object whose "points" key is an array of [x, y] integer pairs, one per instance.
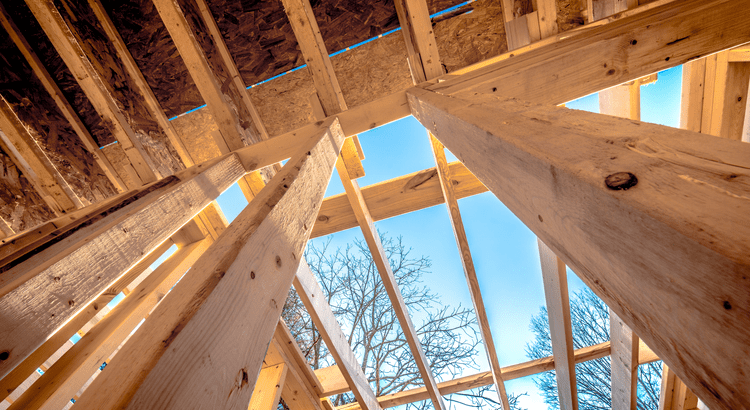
{"points": [[61, 381], [73, 55], [547, 14], [251, 264], [624, 365], [17, 142], [424, 58], [36, 359], [691, 100], [674, 395], [515, 371], [196, 61], [267, 390], [555, 280], [665, 36], [296, 392], [152, 104], [312, 296], [46, 287], [60, 101], [443, 171], [293, 353], [643, 291]]}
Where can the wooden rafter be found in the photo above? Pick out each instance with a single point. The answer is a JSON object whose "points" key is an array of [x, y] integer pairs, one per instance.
{"points": [[62, 104], [74, 57], [267, 391], [517, 137], [17, 142]]}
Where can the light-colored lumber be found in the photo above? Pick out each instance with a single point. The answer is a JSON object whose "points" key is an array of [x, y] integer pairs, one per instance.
{"points": [[605, 8], [92, 84], [312, 296], [296, 359], [512, 372], [666, 35], [674, 394], [537, 154], [555, 279], [62, 104], [739, 55], [394, 197], [443, 171], [424, 58], [624, 364], [547, 15], [53, 284], [228, 62], [16, 141], [691, 99], [204, 345], [151, 103], [731, 103], [296, 392], [36, 359], [332, 380], [195, 59], [61, 381], [267, 390]]}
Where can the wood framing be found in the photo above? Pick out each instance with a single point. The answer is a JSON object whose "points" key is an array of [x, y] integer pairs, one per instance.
{"points": [[624, 364], [648, 217], [267, 391]]}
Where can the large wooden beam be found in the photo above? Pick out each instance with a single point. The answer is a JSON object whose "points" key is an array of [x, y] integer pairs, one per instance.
{"points": [[582, 61], [320, 311], [74, 57], [187, 353], [61, 102], [555, 280], [691, 264], [26, 154]]}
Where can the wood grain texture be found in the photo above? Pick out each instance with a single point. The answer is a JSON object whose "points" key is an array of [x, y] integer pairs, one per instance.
{"points": [[569, 73], [555, 281], [677, 242], [267, 390], [312, 296], [60, 282], [250, 266], [624, 364]]}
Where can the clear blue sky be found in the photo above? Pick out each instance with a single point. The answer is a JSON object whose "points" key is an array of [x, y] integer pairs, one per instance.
{"points": [[504, 250]]}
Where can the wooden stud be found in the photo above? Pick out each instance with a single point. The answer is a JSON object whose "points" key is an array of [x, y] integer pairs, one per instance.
{"points": [[255, 258], [624, 364], [296, 360], [311, 294], [16, 141], [151, 103], [558, 308], [62, 104], [195, 59], [109, 245], [540, 146], [61, 381], [416, 27], [547, 17], [691, 101], [74, 57], [438, 152], [267, 390]]}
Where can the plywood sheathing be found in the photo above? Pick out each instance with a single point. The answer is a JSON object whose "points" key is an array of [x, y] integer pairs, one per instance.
{"points": [[59, 71], [48, 127], [20, 206], [570, 14], [103, 56]]}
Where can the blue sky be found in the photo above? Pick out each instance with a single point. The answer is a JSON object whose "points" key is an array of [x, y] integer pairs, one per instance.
{"points": [[504, 250]]}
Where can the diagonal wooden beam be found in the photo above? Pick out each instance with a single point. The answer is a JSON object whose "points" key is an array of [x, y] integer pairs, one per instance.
{"points": [[311, 294], [73, 55], [62, 104], [152, 104], [251, 265], [268, 389], [424, 58], [632, 174], [230, 124], [555, 280], [16, 140]]}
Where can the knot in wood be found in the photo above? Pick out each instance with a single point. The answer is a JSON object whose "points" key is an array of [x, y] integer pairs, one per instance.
{"points": [[621, 181]]}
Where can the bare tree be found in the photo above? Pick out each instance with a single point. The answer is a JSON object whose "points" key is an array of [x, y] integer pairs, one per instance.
{"points": [[590, 319], [353, 288]]}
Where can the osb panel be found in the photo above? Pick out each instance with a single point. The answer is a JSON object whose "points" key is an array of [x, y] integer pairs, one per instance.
{"points": [[34, 34], [20, 206], [195, 130], [284, 103], [373, 70], [48, 127], [101, 52], [570, 14], [471, 37]]}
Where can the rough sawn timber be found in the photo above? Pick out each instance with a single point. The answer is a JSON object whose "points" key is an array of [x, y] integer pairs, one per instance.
{"points": [[670, 253]]}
